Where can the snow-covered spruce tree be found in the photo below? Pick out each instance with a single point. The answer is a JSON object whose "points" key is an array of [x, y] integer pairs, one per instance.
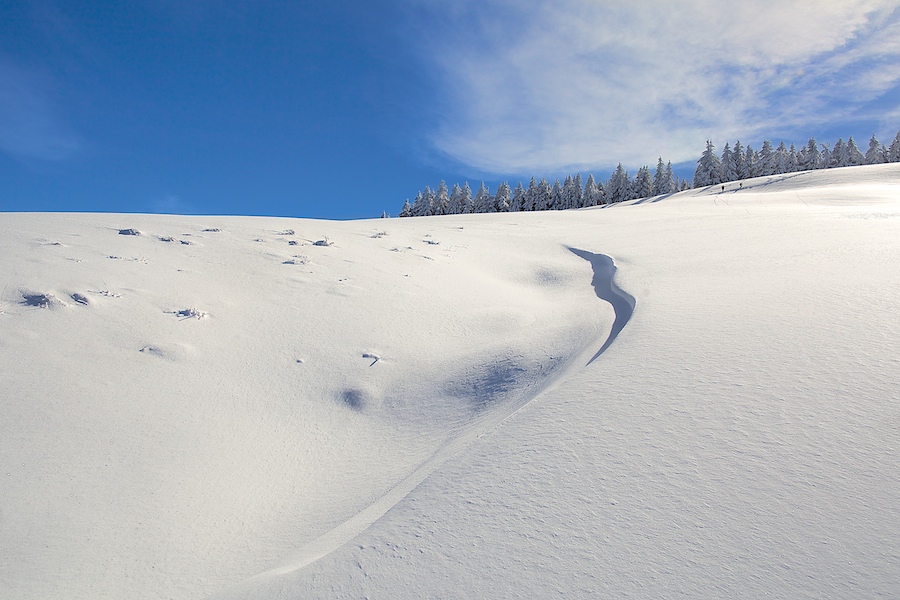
{"points": [[671, 179], [406, 211], [464, 202], [766, 165], [642, 186], [838, 155], [751, 161], [441, 199], [517, 202], [876, 154], [854, 156], [569, 197], [782, 159], [728, 167], [577, 194], [659, 178], [737, 155], [826, 157], [708, 167], [618, 189], [556, 196], [531, 196], [420, 206], [591, 196], [455, 192], [502, 198], [484, 202], [893, 153], [543, 195], [810, 157], [793, 160]]}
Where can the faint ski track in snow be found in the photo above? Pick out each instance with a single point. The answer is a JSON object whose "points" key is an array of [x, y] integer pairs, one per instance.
{"points": [[606, 289]]}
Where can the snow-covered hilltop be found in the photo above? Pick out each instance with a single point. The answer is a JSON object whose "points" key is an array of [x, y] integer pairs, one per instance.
{"points": [[278, 408]]}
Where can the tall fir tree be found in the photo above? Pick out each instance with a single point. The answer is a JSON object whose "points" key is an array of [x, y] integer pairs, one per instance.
{"points": [[839, 156], [659, 179], [737, 154], [543, 197], [708, 171], [893, 153], [578, 197], [591, 194], [642, 186], [441, 199], [825, 162], [517, 202], [782, 160], [556, 196], [768, 162], [875, 155], [729, 170], [671, 179], [854, 156], [811, 158], [502, 198], [619, 187], [484, 202]]}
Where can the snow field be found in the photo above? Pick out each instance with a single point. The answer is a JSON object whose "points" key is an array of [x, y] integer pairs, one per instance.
{"points": [[444, 434]]}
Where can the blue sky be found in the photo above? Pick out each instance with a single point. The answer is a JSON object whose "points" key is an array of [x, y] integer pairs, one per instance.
{"points": [[344, 109]]}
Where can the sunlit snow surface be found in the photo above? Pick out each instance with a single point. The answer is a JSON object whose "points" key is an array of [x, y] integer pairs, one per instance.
{"points": [[417, 408]]}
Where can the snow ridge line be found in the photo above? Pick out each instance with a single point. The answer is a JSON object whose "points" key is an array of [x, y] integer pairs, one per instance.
{"points": [[623, 305], [605, 286]]}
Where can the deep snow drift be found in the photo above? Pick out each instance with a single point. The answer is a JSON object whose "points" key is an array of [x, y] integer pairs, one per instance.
{"points": [[282, 408]]}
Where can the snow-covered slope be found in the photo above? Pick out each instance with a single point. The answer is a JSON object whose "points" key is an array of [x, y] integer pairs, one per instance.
{"points": [[416, 408]]}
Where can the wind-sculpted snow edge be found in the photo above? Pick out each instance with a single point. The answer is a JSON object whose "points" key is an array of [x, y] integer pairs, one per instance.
{"points": [[623, 305], [605, 286]]}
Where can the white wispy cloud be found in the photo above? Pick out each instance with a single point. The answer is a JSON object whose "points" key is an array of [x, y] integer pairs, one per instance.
{"points": [[533, 85], [30, 123]]}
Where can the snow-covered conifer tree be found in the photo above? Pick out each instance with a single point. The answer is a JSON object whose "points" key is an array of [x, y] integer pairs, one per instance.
{"points": [[543, 197], [419, 208], [737, 155], [854, 156], [502, 198], [454, 207], [893, 153], [531, 196], [875, 155], [671, 182], [441, 199], [782, 161], [747, 167], [577, 196], [793, 164], [839, 156], [642, 186], [826, 157], [767, 163], [811, 158], [729, 171], [618, 189], [428, 201], [591, 196], [556, 196], [406, 211], [484, 202], [708, 170], [660, 186], [517, 202]]}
